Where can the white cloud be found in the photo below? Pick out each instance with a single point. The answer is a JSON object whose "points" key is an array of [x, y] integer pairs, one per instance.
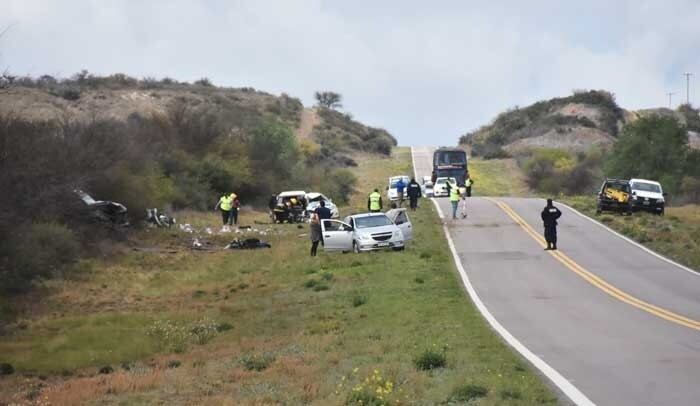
{"points": [[425, 71]]}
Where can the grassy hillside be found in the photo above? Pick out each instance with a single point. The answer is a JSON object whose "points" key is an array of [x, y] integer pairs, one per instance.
{"points": [[167, 324], [575, 123], [151, 143]]}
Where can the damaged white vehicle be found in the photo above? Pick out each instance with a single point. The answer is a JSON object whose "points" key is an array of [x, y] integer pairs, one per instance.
{"points": [[315, 199], [368, 232]]}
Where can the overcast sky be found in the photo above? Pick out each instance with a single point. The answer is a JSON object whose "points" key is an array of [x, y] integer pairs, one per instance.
{"points": [[426, 71]]}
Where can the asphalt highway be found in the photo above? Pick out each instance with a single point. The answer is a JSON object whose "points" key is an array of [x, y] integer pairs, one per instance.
{"points": [[615, 321]]}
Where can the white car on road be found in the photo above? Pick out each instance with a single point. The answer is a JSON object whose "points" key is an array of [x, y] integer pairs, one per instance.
{"points": [[440, 188], [427, 186], [391, 189], [368, 232]]}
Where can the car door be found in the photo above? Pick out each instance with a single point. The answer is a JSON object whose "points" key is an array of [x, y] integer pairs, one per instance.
{"points": [[402, 221], [400, 218], [337, 236]]}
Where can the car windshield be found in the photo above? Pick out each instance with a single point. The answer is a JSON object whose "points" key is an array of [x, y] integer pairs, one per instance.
{"points": [[372, 221], [646, 187], [442, 181], [451, 157]]}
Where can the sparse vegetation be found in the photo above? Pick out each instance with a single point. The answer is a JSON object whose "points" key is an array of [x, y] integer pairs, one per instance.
{"points": [[340, 133], [541, 117], [257, 362], [468, 392], [556, 171]]}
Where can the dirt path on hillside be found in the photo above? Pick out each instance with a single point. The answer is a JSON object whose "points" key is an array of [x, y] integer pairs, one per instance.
{"points": [[309, 120]]}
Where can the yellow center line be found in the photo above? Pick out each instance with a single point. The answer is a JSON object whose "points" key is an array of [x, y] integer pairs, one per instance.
{"points": [[596, 280]]}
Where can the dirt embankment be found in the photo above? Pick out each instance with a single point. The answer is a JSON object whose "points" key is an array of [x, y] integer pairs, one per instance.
{"points": [[309, 120]]}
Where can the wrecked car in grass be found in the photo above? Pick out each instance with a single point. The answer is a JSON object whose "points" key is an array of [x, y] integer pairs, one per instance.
{"points": [[104, 210], [368, 232], [314, 200], [290, 207]]}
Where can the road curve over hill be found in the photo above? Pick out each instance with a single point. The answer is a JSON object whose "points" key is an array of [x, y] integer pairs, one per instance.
{"points": [[614, 321]]}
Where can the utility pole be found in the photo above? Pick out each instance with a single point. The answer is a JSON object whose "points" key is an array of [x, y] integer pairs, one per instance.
{"points": [[687, 87], [670, 94]]}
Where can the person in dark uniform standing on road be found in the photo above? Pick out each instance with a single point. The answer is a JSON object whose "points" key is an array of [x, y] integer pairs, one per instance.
{"points": [[413, 193], [550, 215]]}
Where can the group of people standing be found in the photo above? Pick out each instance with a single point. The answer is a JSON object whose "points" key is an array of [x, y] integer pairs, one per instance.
{"points": [[458, 196], [228, 204], [412, 190]]}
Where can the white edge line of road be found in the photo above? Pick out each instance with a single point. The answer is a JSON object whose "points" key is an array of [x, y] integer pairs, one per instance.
{"points": [[562, 383], [629, 240]]}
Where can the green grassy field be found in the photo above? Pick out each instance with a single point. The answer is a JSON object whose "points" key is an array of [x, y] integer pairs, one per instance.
{"points": [[497, 177], [267, 326]]}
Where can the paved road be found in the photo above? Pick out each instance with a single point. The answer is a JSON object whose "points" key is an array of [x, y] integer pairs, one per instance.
{"points": [[601, 336]]}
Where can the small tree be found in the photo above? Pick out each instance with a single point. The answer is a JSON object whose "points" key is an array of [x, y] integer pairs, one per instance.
{"points": [[329, 99], [652, 147]]}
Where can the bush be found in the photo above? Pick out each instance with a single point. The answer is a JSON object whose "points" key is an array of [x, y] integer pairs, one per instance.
{"points": [[467, 392], [6, 368], [508, 394], [554, 171], [431, 359], [257, 362], [41, 250], [359, 300]]}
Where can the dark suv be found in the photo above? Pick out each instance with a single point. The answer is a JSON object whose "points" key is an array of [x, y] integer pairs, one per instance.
{"points": [[614, 195]]}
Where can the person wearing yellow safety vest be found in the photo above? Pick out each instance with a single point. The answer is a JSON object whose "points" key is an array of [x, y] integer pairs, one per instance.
{"points": [[454, 198], [374, 202], [225, 204], [468, 183]]}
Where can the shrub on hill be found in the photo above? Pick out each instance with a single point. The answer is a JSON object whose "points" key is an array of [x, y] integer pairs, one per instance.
{"points": [[340, 133], [540, 117], [554, 171]]}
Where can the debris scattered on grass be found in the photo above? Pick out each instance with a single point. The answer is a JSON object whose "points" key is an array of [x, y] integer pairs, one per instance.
{"points": [[186, 228], [248, 243]]}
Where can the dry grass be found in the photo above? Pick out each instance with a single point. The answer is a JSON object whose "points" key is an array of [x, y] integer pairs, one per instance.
{"points": [[80, 390]]}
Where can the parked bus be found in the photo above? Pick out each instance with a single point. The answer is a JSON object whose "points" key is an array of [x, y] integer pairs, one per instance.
{"points": [[451, 163]]}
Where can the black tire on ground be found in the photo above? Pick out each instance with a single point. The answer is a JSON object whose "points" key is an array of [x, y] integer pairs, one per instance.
{"points": [[399, 248], [355, 247]]}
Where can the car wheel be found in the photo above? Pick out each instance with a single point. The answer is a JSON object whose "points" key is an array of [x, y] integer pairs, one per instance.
{"points": [[355, 247], [399, 248]]}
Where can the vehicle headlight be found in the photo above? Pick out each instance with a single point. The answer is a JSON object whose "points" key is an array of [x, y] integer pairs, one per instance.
{"points": [[397, 234], [634, 197], [661, 199], [364, 237]]}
